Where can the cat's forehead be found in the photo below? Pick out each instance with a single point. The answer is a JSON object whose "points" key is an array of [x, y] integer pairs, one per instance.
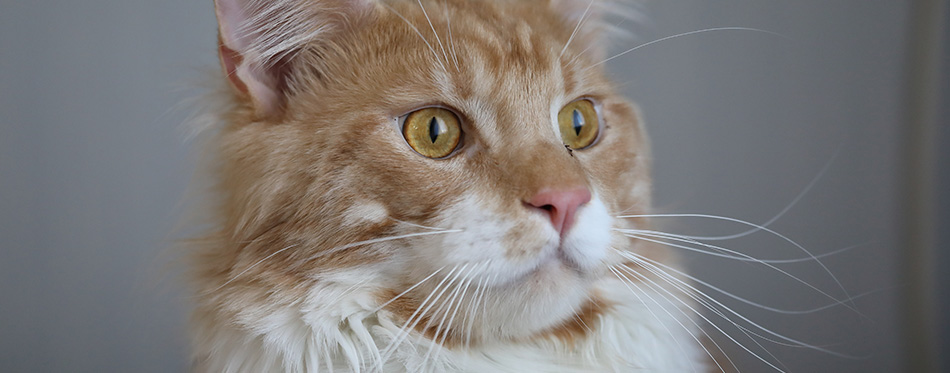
{"points": [[495, 54], [500, 63]]}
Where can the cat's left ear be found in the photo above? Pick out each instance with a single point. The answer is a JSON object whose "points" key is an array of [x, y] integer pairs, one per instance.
{"points": [[259, 38]]}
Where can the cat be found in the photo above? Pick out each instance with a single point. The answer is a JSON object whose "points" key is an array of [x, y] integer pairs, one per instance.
{"points": [[435, 185]]}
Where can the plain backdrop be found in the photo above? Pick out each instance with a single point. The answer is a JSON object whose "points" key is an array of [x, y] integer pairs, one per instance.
{"points": [[95, 162]]}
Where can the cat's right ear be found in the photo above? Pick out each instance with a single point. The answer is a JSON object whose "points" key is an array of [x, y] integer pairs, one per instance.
{"points": [[257, 39]]}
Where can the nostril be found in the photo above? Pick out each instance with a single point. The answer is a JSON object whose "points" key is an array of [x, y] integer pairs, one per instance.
{"points": [[560, 205]]}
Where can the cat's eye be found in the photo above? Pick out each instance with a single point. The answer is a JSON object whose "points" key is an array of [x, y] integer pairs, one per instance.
{"points": [[579, 124], [434, 132]]}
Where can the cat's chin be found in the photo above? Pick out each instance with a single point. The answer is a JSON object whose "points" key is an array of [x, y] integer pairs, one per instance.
{"points": [[536, 302]]}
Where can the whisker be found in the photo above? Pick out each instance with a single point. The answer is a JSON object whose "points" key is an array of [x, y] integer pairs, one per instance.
{"points": [[747, 301], [691, 292], [418, 225], [448, 23], [494, 278], [446, 304], [408, 290], [665, 277], [695, 241], [378, 240], [769, 230], [786, 273], [436, 55], [439, 40], [798, 198], [235, 277], [454, 312], [714, 29], [627, 283], [349, 290], [653, 269], [578, 56], [589, 46], [657, 287], [473, 308], [577, 27], [419, 312]]}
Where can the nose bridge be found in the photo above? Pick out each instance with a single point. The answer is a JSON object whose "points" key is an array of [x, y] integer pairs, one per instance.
{"points": [[545, 165], [527, 143]]}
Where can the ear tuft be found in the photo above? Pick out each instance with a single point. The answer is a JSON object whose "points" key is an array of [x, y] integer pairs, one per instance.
{"points": [[257, 36]]}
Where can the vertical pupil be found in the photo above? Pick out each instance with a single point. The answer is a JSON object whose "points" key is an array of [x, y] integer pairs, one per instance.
{"points": [[436, 128], [578, 122]]}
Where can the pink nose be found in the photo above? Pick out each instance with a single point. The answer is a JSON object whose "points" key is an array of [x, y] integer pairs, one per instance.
{"points": [[561, 205]]}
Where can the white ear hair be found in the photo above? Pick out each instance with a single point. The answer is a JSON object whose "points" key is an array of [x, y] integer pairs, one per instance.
{"points": [[257, 35]]}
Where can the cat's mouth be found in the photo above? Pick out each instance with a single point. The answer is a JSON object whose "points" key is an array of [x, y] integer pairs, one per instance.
{"points": [[558, 259], [554, 262]]}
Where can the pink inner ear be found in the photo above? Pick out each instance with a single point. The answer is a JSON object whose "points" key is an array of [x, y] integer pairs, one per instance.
{"points": [[229, 61], [243, 73], [247, 79], [255, 34]]}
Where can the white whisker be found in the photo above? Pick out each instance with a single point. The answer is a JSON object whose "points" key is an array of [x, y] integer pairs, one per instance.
{"points": [[749, 302], [692, 295], [682, 35], [418, 225], [448, 25], [248, 269], [577, 27], [436, 55], [769, 230], [627, 282], [408, 290], [446, 304], [653, 269], [378, 240], [437, 39], [784, 210], [419, 312], [473, 306], [589, 46], [697, 313], [454, 311], [738, 256], [786, 273]]}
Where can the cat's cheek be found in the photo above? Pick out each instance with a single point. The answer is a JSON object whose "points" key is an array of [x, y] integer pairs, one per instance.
{"points": [[587, 243], [484, 236]]}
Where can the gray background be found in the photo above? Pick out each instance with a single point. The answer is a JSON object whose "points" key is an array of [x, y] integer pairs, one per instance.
{"points": [[94, 166]]}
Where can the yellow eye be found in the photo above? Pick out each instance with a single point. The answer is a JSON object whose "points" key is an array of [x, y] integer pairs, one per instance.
{"points": [[579, 124], [433, 132]]}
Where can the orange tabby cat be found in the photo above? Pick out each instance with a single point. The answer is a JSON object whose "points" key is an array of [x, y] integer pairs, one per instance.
{"points": [[430, 186]]}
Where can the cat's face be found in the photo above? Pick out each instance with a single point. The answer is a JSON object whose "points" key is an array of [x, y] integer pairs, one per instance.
{"points": [[497, 214]]}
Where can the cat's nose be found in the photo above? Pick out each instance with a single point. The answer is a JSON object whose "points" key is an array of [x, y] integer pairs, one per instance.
{"points": [[560, 205]]}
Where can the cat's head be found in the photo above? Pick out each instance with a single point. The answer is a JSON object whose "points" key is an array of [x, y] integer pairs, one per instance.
{"points": [[465, 150]]}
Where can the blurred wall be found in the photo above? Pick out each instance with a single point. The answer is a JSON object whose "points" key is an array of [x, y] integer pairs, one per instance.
{"points": [[943, 197], [743, 122], [92, 168], [94, 164]]}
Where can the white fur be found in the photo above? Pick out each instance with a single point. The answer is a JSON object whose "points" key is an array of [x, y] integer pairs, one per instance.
{"points": [[365, 212], [642, 332], [337, 326]]}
